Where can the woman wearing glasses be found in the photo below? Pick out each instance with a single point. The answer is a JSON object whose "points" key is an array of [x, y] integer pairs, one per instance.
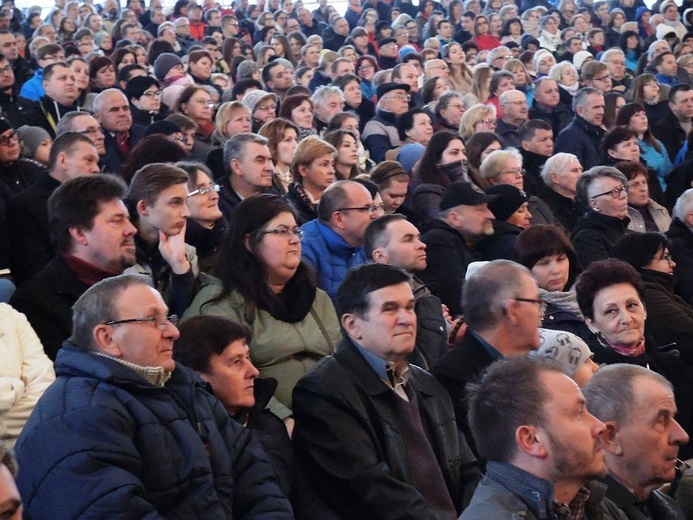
{"points": [[144, 95], [604, 190], [195, 102], [206, 224], [261, 282], [669, 317]]}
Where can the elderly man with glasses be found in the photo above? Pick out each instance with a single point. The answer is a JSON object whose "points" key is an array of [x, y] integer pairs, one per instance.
{"points": [[380, 133], [126, 431]]}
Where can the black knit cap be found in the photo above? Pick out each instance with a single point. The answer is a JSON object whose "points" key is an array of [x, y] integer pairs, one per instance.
{"points": [[508, 202], [137, 85]]}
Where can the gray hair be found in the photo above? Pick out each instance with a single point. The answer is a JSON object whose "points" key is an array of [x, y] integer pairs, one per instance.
{"points": [[491, 167], [581, 96], [683, 206], [235, 147], [496, 53], [181, 20], [483, 291], [587, 178], [609, 394], [65, 123], [164, 26], [446, 98], [610, 52], [503, 99], [99, 99], [98, 305], [322, 93], [556, 72], [556, 163]]}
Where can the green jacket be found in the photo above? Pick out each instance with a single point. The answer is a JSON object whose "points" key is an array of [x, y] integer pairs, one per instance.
{"points": [[282, 350]]}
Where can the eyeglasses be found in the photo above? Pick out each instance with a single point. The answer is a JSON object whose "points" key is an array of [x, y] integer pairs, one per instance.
{"points": [[370, 208], [269, 108], [152, 93], [8, 139], [456, 106], [443, 67], [284, 231], [615, 193], [603, 78], [172, 319], [651, 84], [518, 172], [665, 257], [205, 189], [539, 302], [406, 97], [92, 130], [203, 102], [486, 122], [5, 70]]}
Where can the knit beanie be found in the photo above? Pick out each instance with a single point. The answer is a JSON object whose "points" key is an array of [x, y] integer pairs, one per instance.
{"points": [[252, 98], [580, 58], [31, 138], [569, 350], [4, 126], [164, 63], [510, 200], [162, 127]]}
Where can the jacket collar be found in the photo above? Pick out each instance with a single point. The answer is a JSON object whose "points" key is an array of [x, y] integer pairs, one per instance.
{"points": [[536, 492]]}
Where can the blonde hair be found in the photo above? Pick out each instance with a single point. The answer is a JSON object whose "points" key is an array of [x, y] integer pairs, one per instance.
{"points": [[472, 116], [491, 167], [225, 113], [481, 80], [309, 149]]}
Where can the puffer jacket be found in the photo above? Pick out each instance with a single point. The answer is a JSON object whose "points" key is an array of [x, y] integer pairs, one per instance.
{"points": [[329, 254], [104, 443]]}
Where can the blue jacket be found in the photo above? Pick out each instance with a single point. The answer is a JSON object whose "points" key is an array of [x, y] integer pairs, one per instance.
{"points": [[583, 140], [329, 254], [33, 88], [104, 443]]}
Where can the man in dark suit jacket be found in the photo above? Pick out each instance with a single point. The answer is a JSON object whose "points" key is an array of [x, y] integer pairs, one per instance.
{"points": [[503, 312], [112, 110], [368, 424]]}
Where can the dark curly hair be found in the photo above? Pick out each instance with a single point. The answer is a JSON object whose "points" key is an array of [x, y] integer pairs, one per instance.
{"points": [[602, 274]]}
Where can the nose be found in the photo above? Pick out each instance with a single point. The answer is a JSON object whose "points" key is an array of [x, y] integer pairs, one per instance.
{"points": [[678, 435], [171, 331], [421, 245], [186, 211], [598, 427], [130, 230]]}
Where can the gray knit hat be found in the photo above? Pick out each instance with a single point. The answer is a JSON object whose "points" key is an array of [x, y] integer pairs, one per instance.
{"points": [[246, 69], [569, 350], [31, 138], [164, 63], [252, 98]]}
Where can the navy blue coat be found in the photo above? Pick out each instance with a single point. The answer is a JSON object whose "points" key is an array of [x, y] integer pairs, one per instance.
{"points": [[104, 443], [583, 140]]}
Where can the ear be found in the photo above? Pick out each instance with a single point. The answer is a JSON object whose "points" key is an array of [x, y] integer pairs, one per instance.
{"points": [[380, 256], [611, 439], [142, 207], [590, 325], [302, 170], [554, 178], [78, 235], [689, 217], [246, 242], [105, 341], [351, 325], [529, 440], [524, 146], [234, 166]]}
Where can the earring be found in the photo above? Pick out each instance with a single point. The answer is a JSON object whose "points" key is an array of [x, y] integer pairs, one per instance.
{"points": [[596, 208]]}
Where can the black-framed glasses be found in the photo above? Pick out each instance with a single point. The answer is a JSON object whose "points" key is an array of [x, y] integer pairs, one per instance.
{"points": [[665, 257], [284, 231], [370, 208], [204, 190], [541, 303], [172, 319], [7, 140], [615, 193], [92, 130]]}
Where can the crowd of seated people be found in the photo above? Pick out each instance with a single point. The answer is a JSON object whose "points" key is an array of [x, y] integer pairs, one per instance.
{"points": [[356, 215]]}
